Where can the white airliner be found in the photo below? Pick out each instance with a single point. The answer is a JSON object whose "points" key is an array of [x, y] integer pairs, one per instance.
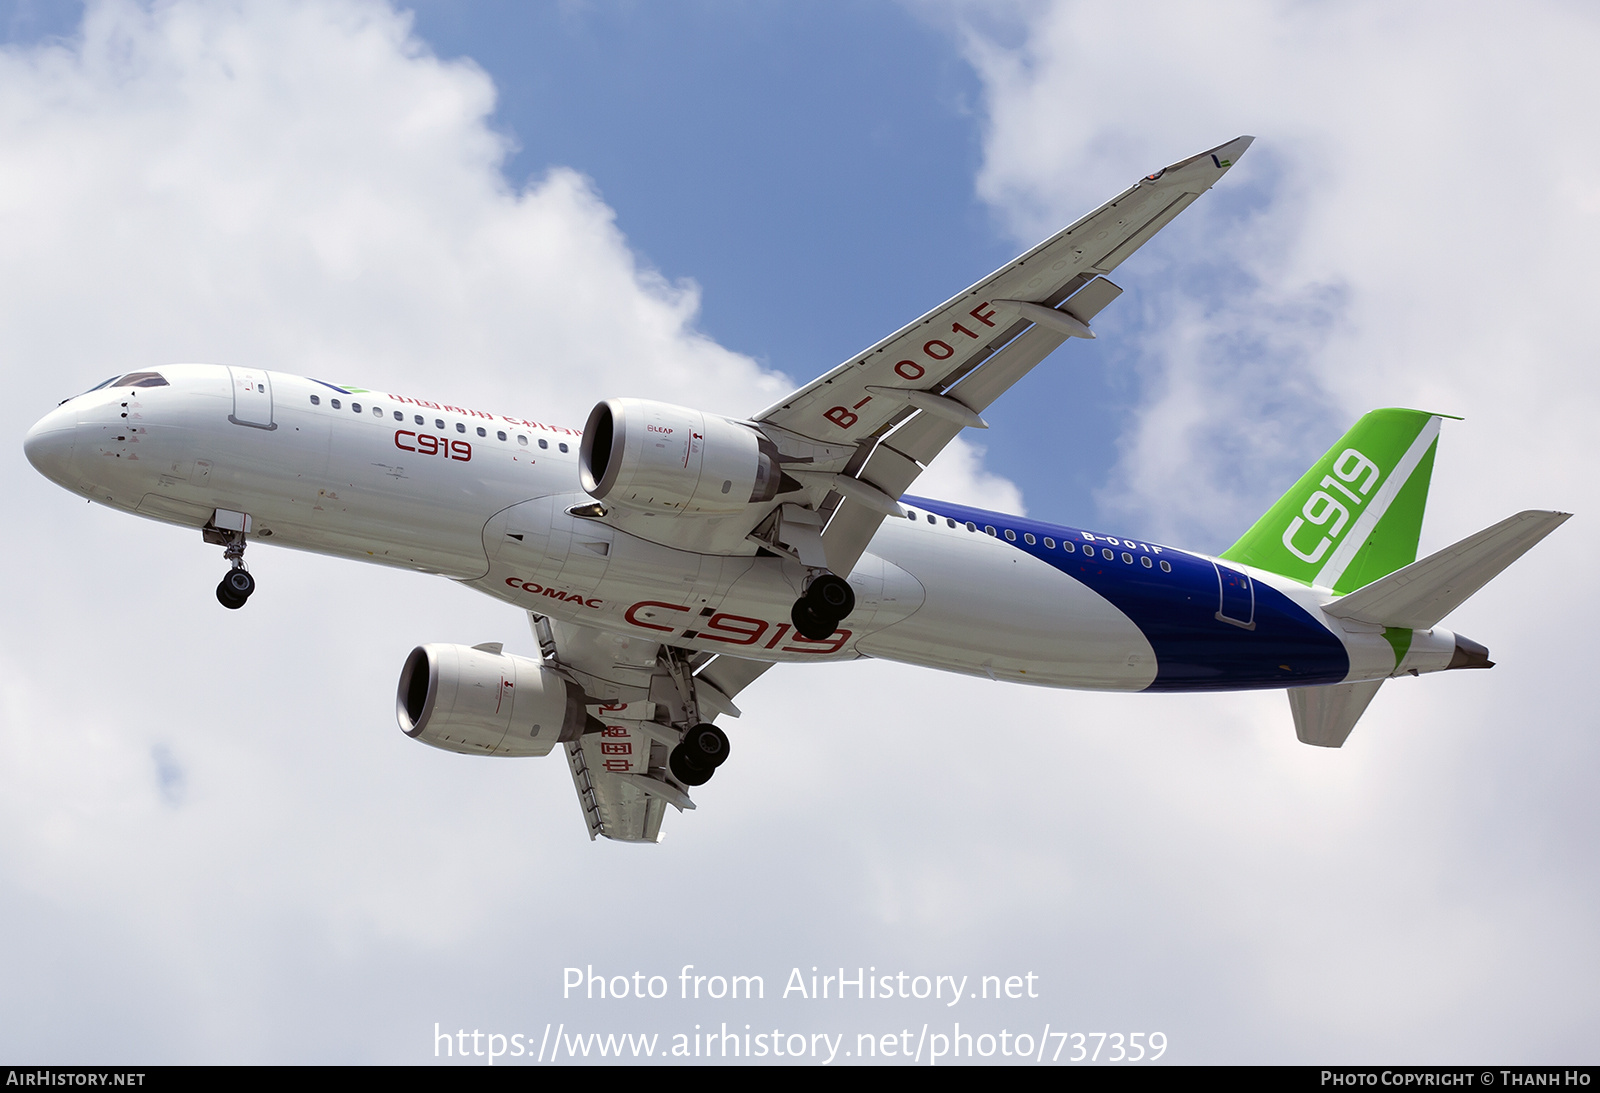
{"points": [[668, 557]]}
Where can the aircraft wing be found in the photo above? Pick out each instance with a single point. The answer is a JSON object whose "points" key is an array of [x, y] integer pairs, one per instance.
{"points": [[644, 694], [894, 406]]}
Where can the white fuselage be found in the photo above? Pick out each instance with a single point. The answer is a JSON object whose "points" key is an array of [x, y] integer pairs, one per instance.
{"points": [[484, 499]]}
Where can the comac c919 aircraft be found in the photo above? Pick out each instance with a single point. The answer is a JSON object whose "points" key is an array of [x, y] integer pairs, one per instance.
{"points": [[668, 557]]}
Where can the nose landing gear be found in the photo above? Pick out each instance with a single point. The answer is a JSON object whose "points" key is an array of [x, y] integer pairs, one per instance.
{"points": [[236, 587]]}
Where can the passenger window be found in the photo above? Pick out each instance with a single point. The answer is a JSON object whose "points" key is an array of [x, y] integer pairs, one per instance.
{"points": [[398, 416], [543, 443], [1166, 567], [563, 447], [438, 423], [355, 407], [971, 526], [1127, 559], [461, 426], [911, 514], [335, 404], [1011, 535], [417, 419], [1049, 542], [1144, 560], [949, 521], [501, 434], [315, 401], [524, 441], [1105, 552], [482, 431], [987, 530], [377, 411], [1029, 539], [1070, 548], [932, 519]]}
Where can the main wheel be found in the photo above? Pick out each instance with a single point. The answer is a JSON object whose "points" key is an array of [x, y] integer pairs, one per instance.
{"points": [[239, 584], [832, 596], [708, 744], [687, 769], [810, 622]]}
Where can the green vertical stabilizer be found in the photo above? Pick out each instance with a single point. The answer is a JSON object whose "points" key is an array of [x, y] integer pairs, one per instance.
{"points": [[1357, 514]]}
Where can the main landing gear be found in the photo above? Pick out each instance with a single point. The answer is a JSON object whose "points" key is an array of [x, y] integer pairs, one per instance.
{"points": [[827, 600], [237, 586], [703, 749]]}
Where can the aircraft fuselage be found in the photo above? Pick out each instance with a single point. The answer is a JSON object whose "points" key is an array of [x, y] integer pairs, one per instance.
{"points": [[484, 499]]}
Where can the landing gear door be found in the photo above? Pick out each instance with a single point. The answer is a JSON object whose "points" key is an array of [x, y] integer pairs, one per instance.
{"points": [[252, 398], [1238, 598]]}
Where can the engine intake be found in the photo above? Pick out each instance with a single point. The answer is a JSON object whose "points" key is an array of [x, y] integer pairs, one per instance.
{"points": [[478, 702], [670, 459]]}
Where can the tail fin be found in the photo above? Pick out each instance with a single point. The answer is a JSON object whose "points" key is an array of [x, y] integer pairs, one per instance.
{"points": [[1357, 514]]}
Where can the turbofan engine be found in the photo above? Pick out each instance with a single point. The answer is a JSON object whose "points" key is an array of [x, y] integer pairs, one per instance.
{"points": [[670, 459], [479, 701]]}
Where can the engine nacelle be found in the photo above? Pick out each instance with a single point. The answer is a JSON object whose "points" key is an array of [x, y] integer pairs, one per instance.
{"points": [[478, 702], [669, 459]]}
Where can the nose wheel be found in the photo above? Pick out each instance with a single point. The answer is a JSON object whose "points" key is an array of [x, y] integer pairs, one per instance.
{"points": [[827, 601], [238, 585], [235, 589]]}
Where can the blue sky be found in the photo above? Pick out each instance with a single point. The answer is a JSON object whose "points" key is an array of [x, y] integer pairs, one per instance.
{"points": [[811, 166]]}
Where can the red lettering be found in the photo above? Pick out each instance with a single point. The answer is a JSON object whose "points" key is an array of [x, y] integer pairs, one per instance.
{"points": [[783, 628], [460, 450], [957, 328], [842, 417], [513, 582], [928, 348], [748, 633], [986, 317], [862, 403], [910, 370], [625, 748], [427, 444], [630, 614], [398, 435], [618, 765], [833, 644]]}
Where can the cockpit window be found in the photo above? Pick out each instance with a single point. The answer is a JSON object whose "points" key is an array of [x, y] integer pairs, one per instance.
{"points": [[142, 379], [132, 379]]}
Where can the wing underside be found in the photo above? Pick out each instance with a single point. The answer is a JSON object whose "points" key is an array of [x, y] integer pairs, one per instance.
{"points": [[644, 695], [879, 418]]}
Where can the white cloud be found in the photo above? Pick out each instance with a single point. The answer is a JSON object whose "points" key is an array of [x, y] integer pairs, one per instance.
{"points": [[215, 844], [1414, 226]]}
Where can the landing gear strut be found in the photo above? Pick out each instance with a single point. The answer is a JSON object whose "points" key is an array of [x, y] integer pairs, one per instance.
{"points": [[826, 603], [237, 586], [704, 748]]}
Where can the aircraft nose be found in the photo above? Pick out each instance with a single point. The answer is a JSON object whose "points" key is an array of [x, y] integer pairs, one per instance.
{"points": [[49, 446]]}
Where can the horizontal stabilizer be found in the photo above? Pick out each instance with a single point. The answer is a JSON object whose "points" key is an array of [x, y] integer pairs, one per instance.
{"points": [[1324, 716], [1419, 595]]}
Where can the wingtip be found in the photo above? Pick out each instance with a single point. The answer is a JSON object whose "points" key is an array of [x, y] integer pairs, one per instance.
{"points": [[1222, 157]]}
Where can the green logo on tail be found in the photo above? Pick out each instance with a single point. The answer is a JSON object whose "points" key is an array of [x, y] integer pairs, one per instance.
{"points": [[1357, 514]]}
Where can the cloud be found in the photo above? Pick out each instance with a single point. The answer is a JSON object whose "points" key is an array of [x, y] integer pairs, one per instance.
{"points": [[215, 840], [1414, 226]]}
